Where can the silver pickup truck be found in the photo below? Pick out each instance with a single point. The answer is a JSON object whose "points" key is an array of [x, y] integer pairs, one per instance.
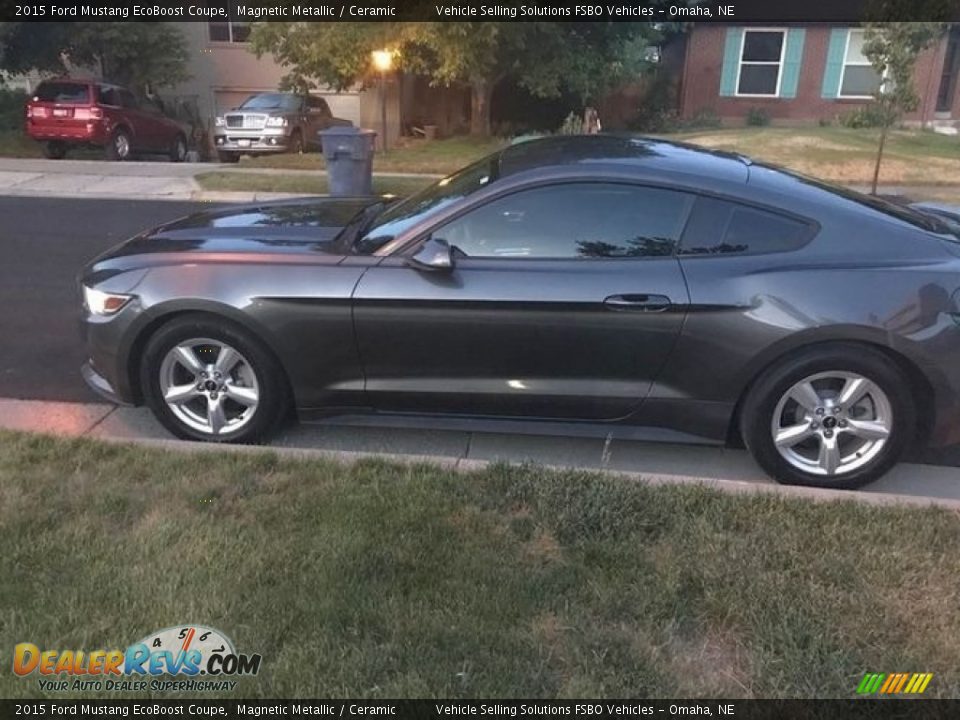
{"points": [[272, 122]]}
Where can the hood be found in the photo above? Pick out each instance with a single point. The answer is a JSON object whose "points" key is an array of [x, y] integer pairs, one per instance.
{"points": [[288, 226]]}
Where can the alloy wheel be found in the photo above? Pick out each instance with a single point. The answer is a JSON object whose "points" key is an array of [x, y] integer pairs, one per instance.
{"points": [[121, 144], [832, 423], [209, 386]]}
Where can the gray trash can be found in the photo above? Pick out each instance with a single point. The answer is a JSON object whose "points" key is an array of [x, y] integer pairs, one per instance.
{"points": [[348, 153]]}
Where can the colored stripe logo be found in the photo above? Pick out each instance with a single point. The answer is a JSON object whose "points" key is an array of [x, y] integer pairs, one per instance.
{"points": [[894, 683]]}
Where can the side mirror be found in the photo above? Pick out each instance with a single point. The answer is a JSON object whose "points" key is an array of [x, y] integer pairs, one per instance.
{"points": [[434, 255]]}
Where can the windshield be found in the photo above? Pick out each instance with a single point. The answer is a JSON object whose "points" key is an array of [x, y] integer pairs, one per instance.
{"points": [[271, 101], [411, 211]]}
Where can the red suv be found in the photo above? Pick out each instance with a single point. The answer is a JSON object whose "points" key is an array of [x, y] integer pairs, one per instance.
{"points": [[70, 113]]}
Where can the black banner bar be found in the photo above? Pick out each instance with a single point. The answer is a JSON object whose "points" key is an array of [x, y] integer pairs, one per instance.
{"points": [[489, 709], [729, 11]]}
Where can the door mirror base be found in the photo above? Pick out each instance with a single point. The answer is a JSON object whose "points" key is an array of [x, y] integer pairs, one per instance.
{"points": [[435, 255]]}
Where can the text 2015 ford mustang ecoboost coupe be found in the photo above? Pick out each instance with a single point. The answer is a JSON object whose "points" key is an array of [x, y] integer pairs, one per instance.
{"points": [[611, 285]]}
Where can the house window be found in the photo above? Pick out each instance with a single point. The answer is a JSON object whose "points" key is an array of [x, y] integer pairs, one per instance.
{"points": [[234, 32], [761, 62], [859, 78]]}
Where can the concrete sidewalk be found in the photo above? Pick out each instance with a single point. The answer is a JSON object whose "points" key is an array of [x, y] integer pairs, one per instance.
{"points": [[135, 180], [725, 469]]}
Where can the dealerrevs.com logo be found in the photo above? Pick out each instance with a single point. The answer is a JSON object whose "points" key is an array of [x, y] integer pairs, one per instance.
{"points": [[205, 656]]}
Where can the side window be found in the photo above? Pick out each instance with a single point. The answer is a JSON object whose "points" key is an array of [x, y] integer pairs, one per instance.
{"points": [[718, 227], [318, 105], [573, 220], [107, 95], [128, 100]]}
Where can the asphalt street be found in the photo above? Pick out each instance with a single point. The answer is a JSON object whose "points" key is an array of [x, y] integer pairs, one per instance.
{"points": [[43, 245]]}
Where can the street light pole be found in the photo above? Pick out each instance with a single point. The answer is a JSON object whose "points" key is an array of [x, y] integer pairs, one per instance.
{"points": [[382, 61]]}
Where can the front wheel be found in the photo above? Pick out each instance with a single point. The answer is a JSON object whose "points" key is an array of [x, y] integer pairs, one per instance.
{"points": [[296, 143], [835, 417], [178, 150], [207, 379]]}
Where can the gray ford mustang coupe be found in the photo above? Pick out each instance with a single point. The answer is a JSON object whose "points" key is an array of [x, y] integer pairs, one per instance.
{"points": [[606, 285]]}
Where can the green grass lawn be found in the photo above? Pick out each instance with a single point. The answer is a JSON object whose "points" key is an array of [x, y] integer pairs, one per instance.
{"points": [[410, 156], [14, 143], [246, 182], [386, 581], [912, 157]]}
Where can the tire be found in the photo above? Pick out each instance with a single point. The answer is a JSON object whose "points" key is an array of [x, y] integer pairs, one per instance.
{"points": [[296, 143], [824, 440], [228, 157], [251, 391], [120, 147], [55, 150], [178, 150]]}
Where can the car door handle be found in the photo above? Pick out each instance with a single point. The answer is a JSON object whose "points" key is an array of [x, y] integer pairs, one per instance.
{"points": [[638, 303]]}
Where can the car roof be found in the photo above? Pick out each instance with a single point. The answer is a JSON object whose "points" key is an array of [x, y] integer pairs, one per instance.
{"points": [[624, 151]]}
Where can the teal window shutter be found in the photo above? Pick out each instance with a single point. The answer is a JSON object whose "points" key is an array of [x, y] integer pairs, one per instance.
{"points": [[731, 61], [834, 68], [792, 58]]}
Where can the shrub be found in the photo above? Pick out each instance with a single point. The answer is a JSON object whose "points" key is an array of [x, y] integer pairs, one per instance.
{"points": [[868, 116], [12, 108], [657, 111], [571, 125], [757, 117], [704, 118]]}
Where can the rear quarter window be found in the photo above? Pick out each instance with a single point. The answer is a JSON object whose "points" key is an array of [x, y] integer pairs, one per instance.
{"points": [[62, 93], [719, 227]]}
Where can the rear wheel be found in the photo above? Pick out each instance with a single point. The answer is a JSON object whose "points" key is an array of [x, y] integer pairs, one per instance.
{"points": [[119, 147], [207, 379], [55, 150], [837, 417]]}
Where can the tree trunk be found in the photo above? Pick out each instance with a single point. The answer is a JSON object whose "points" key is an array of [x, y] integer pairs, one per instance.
{"points": [[876, 168], [480, 94]]}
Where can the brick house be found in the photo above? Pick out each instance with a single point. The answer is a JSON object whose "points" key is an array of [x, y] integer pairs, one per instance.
{"points": [[804, 73]]}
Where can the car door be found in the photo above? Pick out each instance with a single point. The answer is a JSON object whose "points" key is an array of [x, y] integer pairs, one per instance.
{"points": [[565, 301], [141, 125]]}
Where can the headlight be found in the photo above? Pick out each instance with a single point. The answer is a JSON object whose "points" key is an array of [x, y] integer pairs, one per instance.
{"points": [[101, 303], [276, 122], [220, 122]]}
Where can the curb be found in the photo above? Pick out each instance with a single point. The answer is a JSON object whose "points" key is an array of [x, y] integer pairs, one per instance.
{"points": [[91, 420], [466, 466]]}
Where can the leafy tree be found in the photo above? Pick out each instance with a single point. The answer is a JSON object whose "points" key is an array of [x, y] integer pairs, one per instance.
{"points": [[893, 48], [545, 58], [128, 53]]}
